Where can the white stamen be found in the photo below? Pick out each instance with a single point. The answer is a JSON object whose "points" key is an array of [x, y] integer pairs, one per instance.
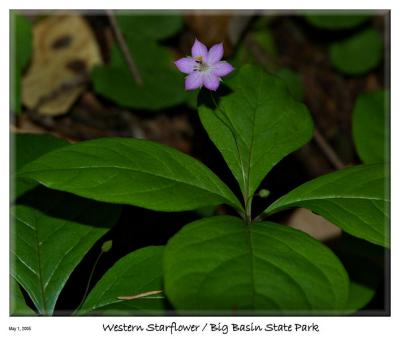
{"points": [[201, 66]]}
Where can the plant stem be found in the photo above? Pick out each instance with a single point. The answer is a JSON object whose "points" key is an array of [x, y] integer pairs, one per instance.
{"points": [[248, 210], [89, 281], [247, 200]]}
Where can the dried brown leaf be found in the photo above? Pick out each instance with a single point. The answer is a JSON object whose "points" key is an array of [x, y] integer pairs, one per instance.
{"points": [[64, 52]]}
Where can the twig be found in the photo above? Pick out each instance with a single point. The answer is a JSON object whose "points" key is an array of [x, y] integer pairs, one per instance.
{"points": [[140, 295], [328, 151], [125, 50]]}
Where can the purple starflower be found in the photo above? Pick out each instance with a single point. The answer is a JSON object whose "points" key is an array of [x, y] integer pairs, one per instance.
{"points": [[204, 67]]}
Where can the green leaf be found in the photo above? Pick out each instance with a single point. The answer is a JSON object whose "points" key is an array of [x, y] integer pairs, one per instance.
{"points": [[359, 296], [29, 147], [26, 148], [129, 171], [358, 54], [364, 280], [221, 264], [138, 273], [161, 89], [50, 234], [336, 21], [162, 83], [21, 50], [158, 26], [266, 40], [371, 127], [355, 199], [364, 262], [18, 305], [262, 41], [255, 125], [293, 82]]}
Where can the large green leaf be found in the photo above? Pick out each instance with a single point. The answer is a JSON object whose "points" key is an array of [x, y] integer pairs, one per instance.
{"points": [[50, 234], [293, 82], [26, 148], [355, 199], [162, 84], [130, 171], [152, 26], [371, 127], [335, 21], [18, 305], [21, 50], [221, 264], [255, 125], [358, 54], [138, 273]]}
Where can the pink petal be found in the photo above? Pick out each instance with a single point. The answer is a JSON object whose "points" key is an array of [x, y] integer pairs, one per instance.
{"points": [[211, 81], [199, 49], [222, 68], [186, 65], [194, 80], [215, 53]]}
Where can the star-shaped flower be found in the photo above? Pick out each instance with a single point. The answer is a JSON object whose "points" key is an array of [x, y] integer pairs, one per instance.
{"points": [[204, 67]]}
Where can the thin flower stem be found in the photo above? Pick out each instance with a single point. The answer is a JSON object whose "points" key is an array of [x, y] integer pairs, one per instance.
{"points": [[125, 50], [89, 281], [247, 200]]}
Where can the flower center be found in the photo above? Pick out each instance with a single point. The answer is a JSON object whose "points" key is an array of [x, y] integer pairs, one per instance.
{"points": [[203, 67], [200, 65]]}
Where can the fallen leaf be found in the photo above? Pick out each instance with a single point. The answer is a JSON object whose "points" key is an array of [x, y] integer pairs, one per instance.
{"points": [[64, 52]]}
